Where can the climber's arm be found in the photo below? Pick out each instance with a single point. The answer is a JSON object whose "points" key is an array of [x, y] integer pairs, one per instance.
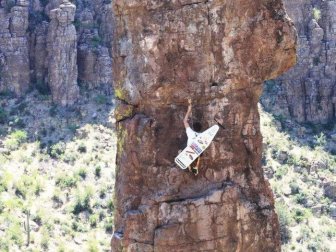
{"points": [[185, 120]]}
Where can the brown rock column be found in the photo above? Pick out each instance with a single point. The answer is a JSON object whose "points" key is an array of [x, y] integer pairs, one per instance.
{"points": [[62, 54], [218, 53]]}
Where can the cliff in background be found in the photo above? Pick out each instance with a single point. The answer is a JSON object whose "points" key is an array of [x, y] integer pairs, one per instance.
{"points": [[55, 46], [306, 93], [218, 53]]}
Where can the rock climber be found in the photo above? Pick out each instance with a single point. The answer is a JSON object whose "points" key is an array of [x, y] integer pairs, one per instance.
{"points": [[192, 134]]}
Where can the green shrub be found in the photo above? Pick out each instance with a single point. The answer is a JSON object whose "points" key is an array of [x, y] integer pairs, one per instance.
{"points": [[93, 220], [284, 221], [300, 215], [101, 99], [12, 203], [96, 41], [82, 172], [82, 201], [314, 246], [93, 246], [14, 233], [294, 186], [45, 239], [78, 227], [305, 234], [294, 160], [57, 150], [301, 198], [69, 157], [316, 14], [321, 139], [5, 180], [39, 217], [281, 171], [82, 148], [101, 215], [65, 180], [4, 244], [331, 232], [109, 225], [97, 171], [28, 184], [61, 247], [56, 195], [15, 139], [110, 205], [102, 192]]}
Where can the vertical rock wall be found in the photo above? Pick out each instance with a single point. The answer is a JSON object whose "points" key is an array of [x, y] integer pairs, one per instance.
{"points": [[217, 52], [56, 47], [95, 27], [307, 92], [62, 54], [14, 48]]}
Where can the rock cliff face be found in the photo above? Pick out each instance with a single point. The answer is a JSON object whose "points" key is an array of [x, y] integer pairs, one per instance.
{"points": [[55, 45], [14, 48], [307, 92], [218, 53], [62, 54]]}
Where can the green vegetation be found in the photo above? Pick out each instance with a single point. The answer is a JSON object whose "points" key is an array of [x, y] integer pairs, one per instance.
{"points": [[316, 14], [101, 99], [55, 164], [284, 221], [296, 168], [96, 41], [15, 139]]}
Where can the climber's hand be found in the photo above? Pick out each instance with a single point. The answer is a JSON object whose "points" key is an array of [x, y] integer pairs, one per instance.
{"points": [[189, 101]]}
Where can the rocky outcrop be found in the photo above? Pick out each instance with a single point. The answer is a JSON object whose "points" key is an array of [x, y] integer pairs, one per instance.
{"points": [[14, 48], [94, 55], [56, 47], [306, 93], [218, 53], [62, 54]]}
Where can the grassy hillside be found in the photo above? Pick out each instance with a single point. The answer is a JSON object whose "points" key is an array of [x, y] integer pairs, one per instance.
{"points": [[301, 168], [56, 173]]}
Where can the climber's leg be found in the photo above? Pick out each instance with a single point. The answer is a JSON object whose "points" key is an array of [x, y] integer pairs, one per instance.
{"points": [[197, 165], [195, 168]]}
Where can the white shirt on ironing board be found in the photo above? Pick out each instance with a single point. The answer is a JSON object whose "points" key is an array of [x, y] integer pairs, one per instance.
{"points": [[191, 135]]}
